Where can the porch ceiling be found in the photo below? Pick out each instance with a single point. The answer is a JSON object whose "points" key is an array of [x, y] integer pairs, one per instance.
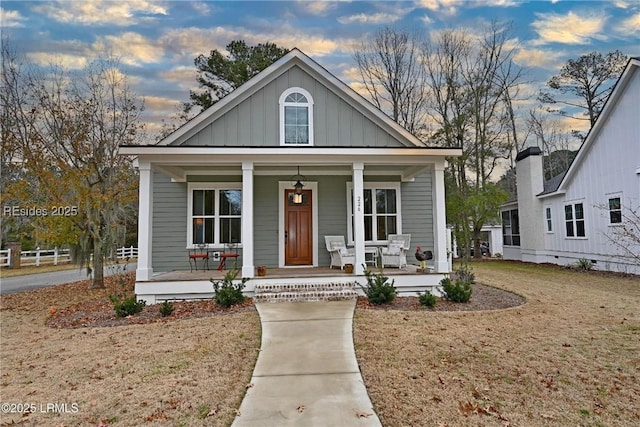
{"points": [[181, 173]]}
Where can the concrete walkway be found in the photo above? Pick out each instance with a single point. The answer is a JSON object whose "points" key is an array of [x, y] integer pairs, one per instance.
{"points": [[306, 373]]}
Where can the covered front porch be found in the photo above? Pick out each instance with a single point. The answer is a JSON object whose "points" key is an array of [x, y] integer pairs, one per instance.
{"points": [[187, 285], [362, 194]]}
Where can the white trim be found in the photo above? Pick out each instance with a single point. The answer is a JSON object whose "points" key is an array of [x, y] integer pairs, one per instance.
{"points": [[282, 104], [209, 186], [246, 221], [614, 195], [550, 218], [346, 155], [440, 257], [284, 185], [144, 270], [358, 236], [374, 185], [574, 220]]}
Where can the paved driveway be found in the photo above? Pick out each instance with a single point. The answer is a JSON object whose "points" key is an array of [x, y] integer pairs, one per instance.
{"points": [[10, 285]]}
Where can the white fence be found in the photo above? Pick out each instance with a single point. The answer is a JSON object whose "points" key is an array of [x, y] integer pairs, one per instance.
{"points": [[55, 256]]}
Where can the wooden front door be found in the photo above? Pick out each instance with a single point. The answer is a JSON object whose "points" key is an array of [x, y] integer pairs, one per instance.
{"points": [[298, 226]]}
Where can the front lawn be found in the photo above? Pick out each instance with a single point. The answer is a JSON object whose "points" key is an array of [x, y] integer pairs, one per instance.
{"points": [[569, 356]]}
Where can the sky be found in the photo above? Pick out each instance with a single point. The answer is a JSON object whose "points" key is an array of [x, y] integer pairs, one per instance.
{"points": [[157, 41]]}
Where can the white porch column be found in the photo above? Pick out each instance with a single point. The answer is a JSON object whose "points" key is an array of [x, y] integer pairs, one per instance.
{"points": [[440, 259], [247, 220], [358, 216], [144, 270]]}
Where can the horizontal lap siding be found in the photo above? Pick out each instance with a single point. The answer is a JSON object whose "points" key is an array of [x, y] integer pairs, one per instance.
{"points": [[417, 212], [265, 220], [169, 224], [332, 212]]}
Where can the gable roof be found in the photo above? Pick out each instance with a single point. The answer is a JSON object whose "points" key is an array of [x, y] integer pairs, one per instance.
{"points": [[630, 70], [294, 58]]}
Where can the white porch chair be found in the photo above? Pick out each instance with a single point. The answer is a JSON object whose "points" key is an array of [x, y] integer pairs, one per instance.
{"points": [[395, 254], [340, 254]]}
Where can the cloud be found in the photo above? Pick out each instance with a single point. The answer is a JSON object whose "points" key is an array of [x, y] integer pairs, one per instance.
{"points": [[188, 43], [572, 28], [201, 7], [161, 104], [539, 58], [11, 18], [372, 18], [65, 60], [132, 48], [630, 25], [101, 12], [318, 8], [447, 7]]}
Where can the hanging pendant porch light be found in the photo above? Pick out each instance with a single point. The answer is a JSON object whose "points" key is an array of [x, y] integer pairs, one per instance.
{"points": [[297, 196]]}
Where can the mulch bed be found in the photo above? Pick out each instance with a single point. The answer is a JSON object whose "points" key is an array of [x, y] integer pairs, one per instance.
{"points": [[75, 306], [483, 298]]}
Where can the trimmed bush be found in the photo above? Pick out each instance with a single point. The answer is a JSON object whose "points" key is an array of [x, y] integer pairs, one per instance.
{"points": [[166, 308], [427, 299], [227, 293], [378, 289], [127, 306]]}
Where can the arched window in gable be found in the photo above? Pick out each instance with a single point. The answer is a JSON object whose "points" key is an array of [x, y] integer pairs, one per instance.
{"points": [[296, 117]]}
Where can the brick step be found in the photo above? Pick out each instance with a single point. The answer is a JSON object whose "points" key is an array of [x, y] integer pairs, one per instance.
{"points": [[304, 292]]}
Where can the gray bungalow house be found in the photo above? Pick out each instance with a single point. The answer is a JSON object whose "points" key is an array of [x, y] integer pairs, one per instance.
{"points": [[229, 176]]}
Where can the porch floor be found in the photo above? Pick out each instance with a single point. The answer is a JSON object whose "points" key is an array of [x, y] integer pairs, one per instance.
{"points": [[275, 273]]}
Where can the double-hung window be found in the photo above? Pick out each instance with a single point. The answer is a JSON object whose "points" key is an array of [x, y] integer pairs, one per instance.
{"points": [[615, 211], [296, 117], [215, 214], [381, 206], [574, 220], [548, 219]]}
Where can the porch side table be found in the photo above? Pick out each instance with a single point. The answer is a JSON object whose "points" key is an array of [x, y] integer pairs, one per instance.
{"points": [[373, 251]]}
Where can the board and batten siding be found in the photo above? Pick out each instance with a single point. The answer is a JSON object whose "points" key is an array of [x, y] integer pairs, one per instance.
{"points": [[254, 122]]}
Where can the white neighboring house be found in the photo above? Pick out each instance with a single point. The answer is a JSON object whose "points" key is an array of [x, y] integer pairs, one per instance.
{"points": [[574, 216]]}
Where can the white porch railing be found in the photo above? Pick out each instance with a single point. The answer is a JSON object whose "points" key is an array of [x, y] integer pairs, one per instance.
{"points": [[55, 256]]}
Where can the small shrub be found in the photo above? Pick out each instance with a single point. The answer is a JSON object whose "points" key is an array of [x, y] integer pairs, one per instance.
{"points": [[126, 306], [228, 293], [378, 289], [427, 299], [584, 264], [458, 291], [166, 308]]}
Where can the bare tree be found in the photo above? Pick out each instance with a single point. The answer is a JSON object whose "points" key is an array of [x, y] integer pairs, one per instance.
{"points": [[66, 128], [472, 82], [554, 140], [626, 236], [391, 71]]}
